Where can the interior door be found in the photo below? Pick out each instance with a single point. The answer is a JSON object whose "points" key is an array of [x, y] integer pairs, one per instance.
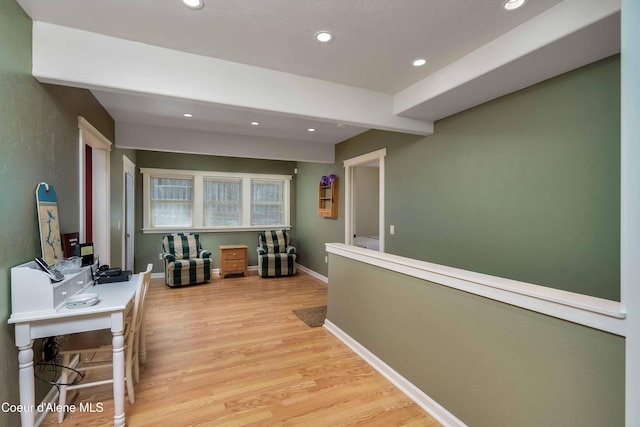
{"points": [[129, 221], [99, 205], [88, 193]]}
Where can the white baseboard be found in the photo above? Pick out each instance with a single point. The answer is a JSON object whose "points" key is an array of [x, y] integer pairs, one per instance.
{"points": [[414, 393], [312, 273], [214, 272], [160, 275]]}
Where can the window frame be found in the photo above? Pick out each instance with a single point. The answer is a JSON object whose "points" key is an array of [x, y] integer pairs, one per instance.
{"points": [[199, 204]]}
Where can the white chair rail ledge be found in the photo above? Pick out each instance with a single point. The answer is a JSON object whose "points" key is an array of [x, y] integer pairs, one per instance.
{"points": [[598, 313]]}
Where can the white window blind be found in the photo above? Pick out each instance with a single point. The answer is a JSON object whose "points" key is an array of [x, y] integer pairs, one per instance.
{"points": [[171, 201], [222, 202], [267, 202]]}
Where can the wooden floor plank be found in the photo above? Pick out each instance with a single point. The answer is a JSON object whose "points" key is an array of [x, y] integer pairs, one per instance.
{"points": [[232, 353]]}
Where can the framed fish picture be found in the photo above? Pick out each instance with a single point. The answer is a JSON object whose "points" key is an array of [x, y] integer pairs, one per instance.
{"points": [[47, 206]]}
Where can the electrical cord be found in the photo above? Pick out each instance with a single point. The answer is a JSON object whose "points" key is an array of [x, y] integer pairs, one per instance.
{"points": [[49, 363], [56, 368]]}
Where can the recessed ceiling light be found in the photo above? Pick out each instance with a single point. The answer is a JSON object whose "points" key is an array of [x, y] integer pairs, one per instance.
{"points": [[193, 4], [324, 36], [513, 4], [188, 115], [255, 123], [311, 130], [419, 62]]}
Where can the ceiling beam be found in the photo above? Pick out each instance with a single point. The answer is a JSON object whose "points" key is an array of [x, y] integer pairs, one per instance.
{"points": [[567, 36], [72, 57], [175, 140]]}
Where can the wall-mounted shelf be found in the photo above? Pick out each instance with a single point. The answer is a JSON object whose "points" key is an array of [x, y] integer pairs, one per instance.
{"points": [[328, 199]]}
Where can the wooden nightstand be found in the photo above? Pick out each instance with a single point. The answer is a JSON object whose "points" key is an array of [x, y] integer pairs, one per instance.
{"points": [[233, 259]]}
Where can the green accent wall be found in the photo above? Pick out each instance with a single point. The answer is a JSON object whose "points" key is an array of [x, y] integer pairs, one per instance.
{"points": [[312, 231], [486, 362], [148, 246], [525, 187], [39, 140]]}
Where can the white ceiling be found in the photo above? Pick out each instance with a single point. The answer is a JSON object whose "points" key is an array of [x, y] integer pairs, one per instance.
{"points": [[257, 60]]}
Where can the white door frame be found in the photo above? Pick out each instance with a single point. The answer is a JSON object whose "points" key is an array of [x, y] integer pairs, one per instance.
{"points": [[89, 135], [630, 202], [128, 167], [349, 166]]}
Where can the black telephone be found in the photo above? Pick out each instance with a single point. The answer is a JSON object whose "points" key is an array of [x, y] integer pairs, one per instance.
{"points": [[54, 275], [106, 271]]}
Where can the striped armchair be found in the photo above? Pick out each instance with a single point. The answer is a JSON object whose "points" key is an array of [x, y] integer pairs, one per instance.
{"points": [[276, 256], [185, 263]]}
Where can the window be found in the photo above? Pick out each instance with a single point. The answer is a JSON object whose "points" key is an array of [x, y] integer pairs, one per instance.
{"points": [[222, 202], [267, 202], [171, 201], [214, 201]]}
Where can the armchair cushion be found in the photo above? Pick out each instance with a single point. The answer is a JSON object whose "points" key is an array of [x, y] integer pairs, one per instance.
{"points": [[187, 271], [276, 265], [182, 245], [275, 241]]}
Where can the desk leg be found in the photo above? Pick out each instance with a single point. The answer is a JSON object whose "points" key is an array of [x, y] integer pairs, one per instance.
{"points": [[118, 378], [27, 388]]}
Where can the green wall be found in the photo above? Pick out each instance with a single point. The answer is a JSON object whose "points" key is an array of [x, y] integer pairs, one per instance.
{"points": [[486, 362], [39, 140], [524, 187], [149, 245], [312, 231]]}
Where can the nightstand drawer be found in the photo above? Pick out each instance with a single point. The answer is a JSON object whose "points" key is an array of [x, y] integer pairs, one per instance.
{"points": [[233, 255], [231, 266]]}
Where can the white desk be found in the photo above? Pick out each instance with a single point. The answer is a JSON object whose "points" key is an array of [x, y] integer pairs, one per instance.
{"points": [[109, 313]]}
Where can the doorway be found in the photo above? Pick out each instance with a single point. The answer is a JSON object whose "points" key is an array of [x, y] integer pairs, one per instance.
{"points": [[94, 154], [364, 200]]}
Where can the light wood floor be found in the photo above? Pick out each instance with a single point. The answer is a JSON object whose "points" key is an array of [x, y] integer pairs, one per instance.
{"points": [[231, 353]]}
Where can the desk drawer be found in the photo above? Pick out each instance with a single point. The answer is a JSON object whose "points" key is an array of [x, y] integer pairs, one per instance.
{"points": [[32, 290]]}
